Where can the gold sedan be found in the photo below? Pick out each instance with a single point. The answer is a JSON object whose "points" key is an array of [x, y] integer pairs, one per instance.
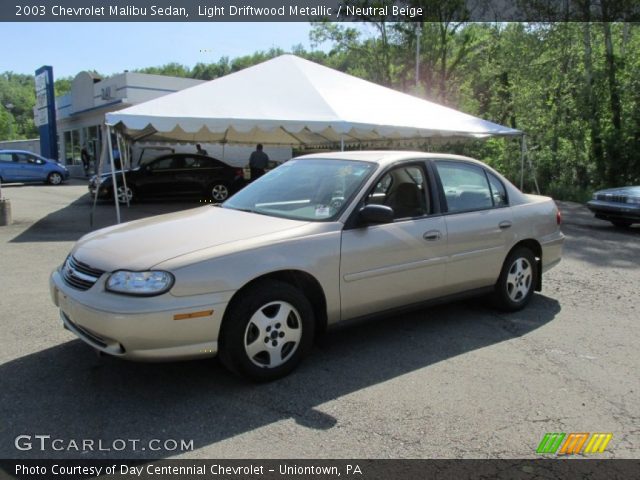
{"points": [[320, 239]]}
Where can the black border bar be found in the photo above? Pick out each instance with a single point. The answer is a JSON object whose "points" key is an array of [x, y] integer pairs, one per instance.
{"points": [[552, 468], [319, 10]]}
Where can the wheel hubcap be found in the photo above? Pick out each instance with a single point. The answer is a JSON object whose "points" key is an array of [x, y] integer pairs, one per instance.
{"points": [[219, 192], [273, 334], [124, 196], [56, 178], [519, 279]]}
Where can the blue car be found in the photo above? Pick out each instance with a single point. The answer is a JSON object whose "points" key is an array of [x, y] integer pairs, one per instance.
{"points": [[23, 166]]}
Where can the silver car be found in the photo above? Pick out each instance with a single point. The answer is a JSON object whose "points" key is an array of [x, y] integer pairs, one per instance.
{"points": [[321, 239]]}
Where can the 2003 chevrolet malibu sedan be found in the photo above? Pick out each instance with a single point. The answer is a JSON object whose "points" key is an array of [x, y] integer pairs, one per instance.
{"points": [[320, 239]]}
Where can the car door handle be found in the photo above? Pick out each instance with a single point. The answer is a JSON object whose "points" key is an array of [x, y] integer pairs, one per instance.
{"points": [[504, 225], [432, 235]]}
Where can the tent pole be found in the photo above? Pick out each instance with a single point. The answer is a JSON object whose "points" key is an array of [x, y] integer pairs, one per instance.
{"points": [[124, 163], [342, 143], [99, 169], [113, 174], [523, 147]]}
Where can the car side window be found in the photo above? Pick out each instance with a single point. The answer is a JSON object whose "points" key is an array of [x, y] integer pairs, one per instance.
{"points": [[465, 186], [33, 160], [199, 162], [163, 164], [190, 162], [498, 192], [405, 190], [24, 159]]}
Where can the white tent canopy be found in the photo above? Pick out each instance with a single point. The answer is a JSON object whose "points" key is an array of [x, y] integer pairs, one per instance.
{"points": [[292, 101]]}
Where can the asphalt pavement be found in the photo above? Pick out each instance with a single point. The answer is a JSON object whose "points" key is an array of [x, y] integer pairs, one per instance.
{"points": [[454, 381]]}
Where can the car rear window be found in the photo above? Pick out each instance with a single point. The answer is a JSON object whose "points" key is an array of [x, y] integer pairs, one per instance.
{"points": [[465, 186]]}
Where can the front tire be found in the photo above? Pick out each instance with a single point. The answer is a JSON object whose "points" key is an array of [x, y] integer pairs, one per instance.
{"points": [[54, 178], [267, 332], [517, 280], [125, 194]]}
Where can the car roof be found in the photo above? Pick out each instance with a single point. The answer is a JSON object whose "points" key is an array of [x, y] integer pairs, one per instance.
{"points": [[18, 151], [386, 157], [182, 154]]}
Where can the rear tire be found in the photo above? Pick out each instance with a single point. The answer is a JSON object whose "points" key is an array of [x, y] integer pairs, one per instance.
{"points": [[267, 332], [54, 178], [219, 192], [517, 280]]}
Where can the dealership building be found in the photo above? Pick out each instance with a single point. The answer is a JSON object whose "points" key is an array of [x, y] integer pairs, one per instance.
{"points": [[80, 116], [80, 113]]}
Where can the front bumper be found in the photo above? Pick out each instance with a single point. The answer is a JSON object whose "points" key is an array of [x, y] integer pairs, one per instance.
{"points": [[103, 192], [613, 211], [140, 328]]}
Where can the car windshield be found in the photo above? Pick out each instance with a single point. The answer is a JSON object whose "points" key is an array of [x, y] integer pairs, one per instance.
{"points": [[312, 190]]}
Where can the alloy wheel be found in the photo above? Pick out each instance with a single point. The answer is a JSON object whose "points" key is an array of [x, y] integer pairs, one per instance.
{"points": [[273, 334], [219, 192], [125, 195], [55, 178], [519, 279]]}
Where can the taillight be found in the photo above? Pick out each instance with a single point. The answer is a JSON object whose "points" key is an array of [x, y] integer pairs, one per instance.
{"points": [[239, 172], [558, 217]]}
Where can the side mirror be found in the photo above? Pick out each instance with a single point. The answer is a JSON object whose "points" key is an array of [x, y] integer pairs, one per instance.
{"points": [[373, 213]]}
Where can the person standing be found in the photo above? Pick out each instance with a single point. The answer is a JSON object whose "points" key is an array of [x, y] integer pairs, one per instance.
{"points": [[86, 160], [200, 150], [258, 161]]}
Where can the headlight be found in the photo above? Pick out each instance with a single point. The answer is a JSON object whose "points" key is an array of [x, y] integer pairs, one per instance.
{"points": [[154, 282], [634, 200], [595, 196]]}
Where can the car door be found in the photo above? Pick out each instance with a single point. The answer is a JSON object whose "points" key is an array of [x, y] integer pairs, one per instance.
{"points": [[33, 168], [23, 169], [207, 172], [9, 170], [161, 178], [478, 222], [187, 176], [395, 264]]}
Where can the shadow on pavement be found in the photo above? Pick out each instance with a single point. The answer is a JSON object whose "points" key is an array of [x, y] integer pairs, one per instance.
{"points": [[73, 221], [69, 393]]}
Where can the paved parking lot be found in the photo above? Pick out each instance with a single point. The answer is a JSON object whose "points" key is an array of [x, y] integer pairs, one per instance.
{"points": [[459, 380]]}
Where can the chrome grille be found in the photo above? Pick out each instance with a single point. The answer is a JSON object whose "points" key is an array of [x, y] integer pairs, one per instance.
{"points": [[79, 275], [608, 197]]}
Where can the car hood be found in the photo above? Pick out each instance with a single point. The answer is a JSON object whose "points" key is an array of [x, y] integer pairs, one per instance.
{"points": [[629, 191], [141, 244]]}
